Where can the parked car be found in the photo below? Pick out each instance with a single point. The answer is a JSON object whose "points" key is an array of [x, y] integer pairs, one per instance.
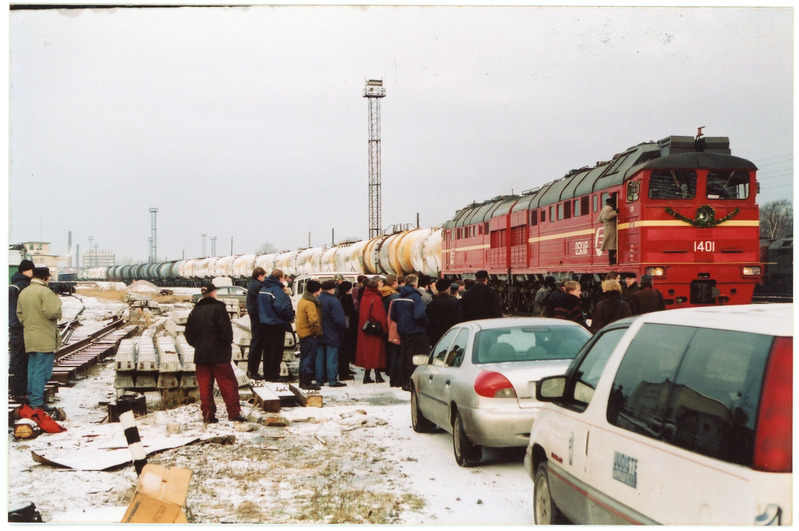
{"points": [[681, 417], [478, 382], [226, 292]]}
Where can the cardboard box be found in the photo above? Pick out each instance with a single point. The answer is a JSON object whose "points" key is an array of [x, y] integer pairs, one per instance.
{"points": [[160, 496]]}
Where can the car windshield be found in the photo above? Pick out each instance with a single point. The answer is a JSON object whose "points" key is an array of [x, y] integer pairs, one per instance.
{"points": [[528, 343]]}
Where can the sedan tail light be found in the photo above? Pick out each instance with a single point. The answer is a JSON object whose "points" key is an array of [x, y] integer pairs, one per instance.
{"points": [[493, 385], [773, 438]]}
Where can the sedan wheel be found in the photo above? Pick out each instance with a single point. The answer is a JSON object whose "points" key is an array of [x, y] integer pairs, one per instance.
{"points": [[546, 512], [466, 453], [419, 422]]}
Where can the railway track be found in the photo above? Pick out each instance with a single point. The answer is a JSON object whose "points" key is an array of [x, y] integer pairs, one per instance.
{"points": [[82, 350]]}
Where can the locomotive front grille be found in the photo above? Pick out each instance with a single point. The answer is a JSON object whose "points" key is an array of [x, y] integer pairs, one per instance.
{"points": [[704, 292]]}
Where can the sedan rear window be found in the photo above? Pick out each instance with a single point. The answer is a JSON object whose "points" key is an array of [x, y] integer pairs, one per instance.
{"points": [[528, 343]]}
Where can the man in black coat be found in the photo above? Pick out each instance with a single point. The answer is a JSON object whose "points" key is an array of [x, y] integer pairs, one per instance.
{"points": [[209, 331], [17, 357], [647, 299], [480, 301], [258, 331], [443, 312]]}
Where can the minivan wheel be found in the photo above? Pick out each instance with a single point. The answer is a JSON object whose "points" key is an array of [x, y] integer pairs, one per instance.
{"points": [[466, 453], [419, 422], [546, 512]]}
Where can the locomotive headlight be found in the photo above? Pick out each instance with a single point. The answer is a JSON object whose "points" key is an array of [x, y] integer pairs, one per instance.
{"points": [[752, 271], [656, 271]]}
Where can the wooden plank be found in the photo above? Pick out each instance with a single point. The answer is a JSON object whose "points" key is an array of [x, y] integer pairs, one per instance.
{"points": [[264, 397], [306, 398], [287, 398]]}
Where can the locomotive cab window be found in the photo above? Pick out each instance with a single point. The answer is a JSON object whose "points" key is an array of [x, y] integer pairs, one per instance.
{"points": [[672, 184], [727, 185], [633, 191]]}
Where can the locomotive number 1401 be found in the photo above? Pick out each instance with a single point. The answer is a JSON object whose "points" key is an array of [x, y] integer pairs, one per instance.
{"points": [[704, 246]]}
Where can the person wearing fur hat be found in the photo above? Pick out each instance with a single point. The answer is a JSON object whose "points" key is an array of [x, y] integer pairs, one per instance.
{"points": [[647, 299], [209, 331], [17, 357]]}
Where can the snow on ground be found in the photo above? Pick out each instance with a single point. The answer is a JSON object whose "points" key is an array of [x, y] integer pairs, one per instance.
{"points": [[356, 460]]}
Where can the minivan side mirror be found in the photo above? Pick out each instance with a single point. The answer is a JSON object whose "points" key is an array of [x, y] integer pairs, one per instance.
{"points": [[550, 389]]}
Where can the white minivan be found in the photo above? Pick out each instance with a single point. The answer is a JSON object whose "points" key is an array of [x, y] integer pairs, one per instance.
{"points": [[680, 417]]}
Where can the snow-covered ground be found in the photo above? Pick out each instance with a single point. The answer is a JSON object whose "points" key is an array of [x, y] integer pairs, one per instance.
{"points": [[356, 460]]}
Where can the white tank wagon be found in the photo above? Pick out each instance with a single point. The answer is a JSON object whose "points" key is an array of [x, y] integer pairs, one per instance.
{"points": [[309, 261], [224, 267], [401, 253], [328, 262], [243, 266]]}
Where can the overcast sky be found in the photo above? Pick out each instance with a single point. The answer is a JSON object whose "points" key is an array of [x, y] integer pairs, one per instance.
{"points": [[250, 123]]}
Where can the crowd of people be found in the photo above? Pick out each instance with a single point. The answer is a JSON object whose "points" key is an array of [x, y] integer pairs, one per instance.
{"points": [[378, 324], [565, 301]]}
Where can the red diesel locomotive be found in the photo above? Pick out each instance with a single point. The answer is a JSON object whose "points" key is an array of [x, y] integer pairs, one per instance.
{"points": [[687, 216]]}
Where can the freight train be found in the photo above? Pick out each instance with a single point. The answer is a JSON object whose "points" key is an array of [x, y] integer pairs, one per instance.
{"points": [[687, 216]]}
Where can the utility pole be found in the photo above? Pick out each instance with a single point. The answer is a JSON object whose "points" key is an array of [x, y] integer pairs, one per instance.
{"points": [[374, 91]]}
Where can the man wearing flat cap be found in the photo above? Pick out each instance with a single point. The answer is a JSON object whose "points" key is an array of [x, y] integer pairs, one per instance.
{"points": [[480, 301], [39, 309], [209, 331], [17, 357], [647, 299]]}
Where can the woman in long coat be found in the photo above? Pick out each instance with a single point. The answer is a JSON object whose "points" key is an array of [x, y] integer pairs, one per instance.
{"points": [[371, 350]]}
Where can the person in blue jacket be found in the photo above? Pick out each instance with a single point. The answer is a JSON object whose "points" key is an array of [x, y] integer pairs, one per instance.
{"points": [[334, 328], [408, 311], [276, 314]]}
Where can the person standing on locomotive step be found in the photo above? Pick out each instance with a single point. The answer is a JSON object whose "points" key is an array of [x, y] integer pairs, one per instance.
{"points": [[480, 301], [209, 331], [39, 309], [370, 352], [334, 326], [409, 312], [17, 357], [256, 349], [608, 216], [309, 330], [276, 314]]}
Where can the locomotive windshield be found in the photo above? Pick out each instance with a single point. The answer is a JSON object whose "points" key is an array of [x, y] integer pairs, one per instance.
{"points": [[672, 184], [727, 185]]}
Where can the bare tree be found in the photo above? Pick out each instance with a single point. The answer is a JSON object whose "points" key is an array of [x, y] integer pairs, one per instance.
{"points": [[776, 220], [266, 248]]}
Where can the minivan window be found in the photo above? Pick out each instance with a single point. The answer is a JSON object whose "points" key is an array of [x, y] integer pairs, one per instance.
{"points": [[586, 375], [697, 389]]}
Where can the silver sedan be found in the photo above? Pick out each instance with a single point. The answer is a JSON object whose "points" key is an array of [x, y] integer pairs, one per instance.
{"points": [[478, 382]]}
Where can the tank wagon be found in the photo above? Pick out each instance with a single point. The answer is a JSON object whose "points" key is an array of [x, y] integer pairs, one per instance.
{"points": [[687, 216]]}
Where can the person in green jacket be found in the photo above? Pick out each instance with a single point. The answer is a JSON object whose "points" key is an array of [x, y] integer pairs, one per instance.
{"points": [[39, 309]]}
